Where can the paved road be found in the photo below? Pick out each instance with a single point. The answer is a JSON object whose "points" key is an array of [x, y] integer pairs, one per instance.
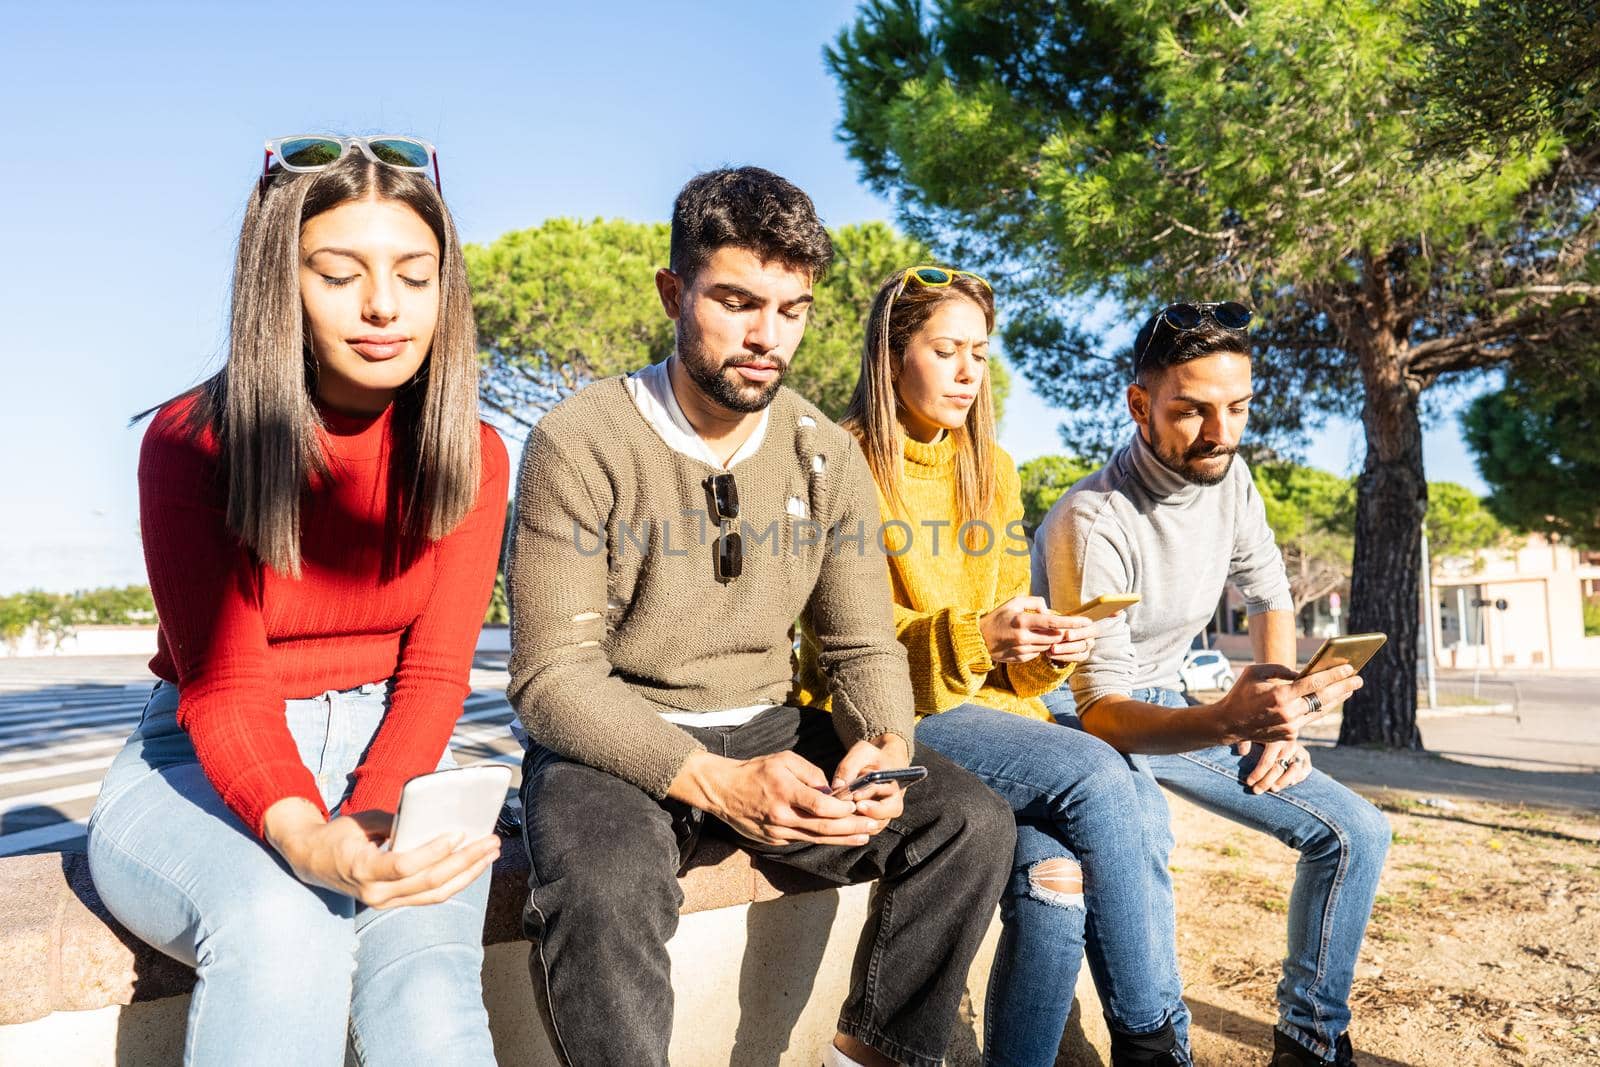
{"points": [[1555, 726], [63, 718]]}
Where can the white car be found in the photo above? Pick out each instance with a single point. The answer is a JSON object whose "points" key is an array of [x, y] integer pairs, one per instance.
{"points": [[1204, 668]]}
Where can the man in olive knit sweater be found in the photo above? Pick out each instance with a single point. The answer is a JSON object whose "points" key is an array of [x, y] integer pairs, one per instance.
{"points": [[670, 528]]}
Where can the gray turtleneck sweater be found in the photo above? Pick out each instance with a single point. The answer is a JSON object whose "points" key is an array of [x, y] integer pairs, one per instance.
{"points": [[1135, 526]]}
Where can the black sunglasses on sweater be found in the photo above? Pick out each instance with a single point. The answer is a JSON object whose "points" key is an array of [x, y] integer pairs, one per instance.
{"points": [[724, 496]]}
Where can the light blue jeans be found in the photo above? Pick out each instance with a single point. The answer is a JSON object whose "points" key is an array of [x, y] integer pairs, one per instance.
{"points": [[285, 971], [1342, 841], [1074, 799]]}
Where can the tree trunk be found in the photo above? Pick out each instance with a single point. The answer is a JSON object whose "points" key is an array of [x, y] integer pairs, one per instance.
{"points": [[1391, 503]]}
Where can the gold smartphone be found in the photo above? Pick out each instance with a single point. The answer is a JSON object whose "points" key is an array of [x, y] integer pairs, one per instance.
{"points": [[1354, 649], [1103, 605]]}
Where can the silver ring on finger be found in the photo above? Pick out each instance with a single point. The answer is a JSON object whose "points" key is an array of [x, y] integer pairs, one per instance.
{"points": [[1286, 763], [1313, 703]]}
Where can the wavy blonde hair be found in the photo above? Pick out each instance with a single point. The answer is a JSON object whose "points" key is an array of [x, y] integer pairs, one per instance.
{"points": [[899, 310]]}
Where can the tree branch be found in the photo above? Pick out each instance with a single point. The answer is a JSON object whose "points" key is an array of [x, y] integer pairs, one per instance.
{"points": [[1494, 342], [1218, 235], [1570, 289]]}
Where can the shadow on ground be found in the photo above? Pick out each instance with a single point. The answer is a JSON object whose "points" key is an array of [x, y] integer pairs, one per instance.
{"points": [[1436, 772], [1253, 1033]]}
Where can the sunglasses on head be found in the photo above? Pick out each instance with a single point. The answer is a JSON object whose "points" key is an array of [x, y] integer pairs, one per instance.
{"points": [[936, 278], [930, 278], [308, 152], [1185, 318]]}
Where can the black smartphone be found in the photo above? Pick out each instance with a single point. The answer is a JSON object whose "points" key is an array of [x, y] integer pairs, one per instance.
{"points": [[903, 775]]}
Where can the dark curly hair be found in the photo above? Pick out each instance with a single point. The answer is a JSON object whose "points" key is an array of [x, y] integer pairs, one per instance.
{"points": [[750, 208]]}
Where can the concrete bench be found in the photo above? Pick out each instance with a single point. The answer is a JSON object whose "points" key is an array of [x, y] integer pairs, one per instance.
{"points": [[62, 951], [761, 962]]}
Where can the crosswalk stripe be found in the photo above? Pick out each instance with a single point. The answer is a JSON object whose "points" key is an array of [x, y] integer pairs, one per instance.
{"points": [[48, 797], [54, 834], [55, 770], [45, 712], [44, 729], [17, 733], [72, 749], [50, 737], [65, 733]]}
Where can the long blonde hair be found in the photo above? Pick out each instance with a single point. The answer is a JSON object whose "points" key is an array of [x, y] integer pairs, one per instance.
{"points": [[900, 309], [261, 404]]}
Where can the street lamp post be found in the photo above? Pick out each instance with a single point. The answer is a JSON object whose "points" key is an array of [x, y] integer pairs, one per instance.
{"points": [[1427, 622]]}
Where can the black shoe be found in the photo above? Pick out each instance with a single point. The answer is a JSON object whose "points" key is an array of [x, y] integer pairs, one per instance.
{"points": [[1157, 1049], [1287, 1052]]}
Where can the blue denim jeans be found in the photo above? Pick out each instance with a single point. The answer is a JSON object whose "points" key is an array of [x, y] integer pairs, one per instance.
{"points": [[1342, 841], [1074, 800], [285, 972]]}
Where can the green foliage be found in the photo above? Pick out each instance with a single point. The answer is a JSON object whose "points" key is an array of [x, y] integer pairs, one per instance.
{"points": [[562, 304], [1591, 618], [1044, 480], [1312, 515], [1136, 152], [499, 610], [1458, 522], [1537, 444], [566, 302], [829, 360], [1145, 151], [1498, 72], [51, 616]]}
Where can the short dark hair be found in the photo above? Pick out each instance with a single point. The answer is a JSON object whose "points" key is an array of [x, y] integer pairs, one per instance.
{"points": [[1156, 349], [750, 208]]}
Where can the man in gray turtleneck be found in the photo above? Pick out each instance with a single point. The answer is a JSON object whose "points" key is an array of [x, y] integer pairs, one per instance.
{"points": [[1173, 517]]}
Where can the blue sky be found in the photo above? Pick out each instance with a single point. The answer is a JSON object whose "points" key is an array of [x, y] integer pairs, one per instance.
{"points": [[136, 129]]}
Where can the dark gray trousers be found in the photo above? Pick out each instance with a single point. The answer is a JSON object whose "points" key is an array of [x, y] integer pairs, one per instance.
{"points": [[605, 896]]}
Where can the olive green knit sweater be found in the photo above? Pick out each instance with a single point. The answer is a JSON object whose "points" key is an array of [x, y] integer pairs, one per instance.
{"points": [[616, 612]]}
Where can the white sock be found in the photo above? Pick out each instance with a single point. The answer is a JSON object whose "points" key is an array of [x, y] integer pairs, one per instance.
{"points": [[832, 1057]]}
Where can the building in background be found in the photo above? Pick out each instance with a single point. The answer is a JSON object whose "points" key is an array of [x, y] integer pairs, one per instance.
{"points": [[1522, 606]]}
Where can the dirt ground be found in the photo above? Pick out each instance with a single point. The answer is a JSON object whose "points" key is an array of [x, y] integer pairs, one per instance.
{"points": [[1484, 946]]}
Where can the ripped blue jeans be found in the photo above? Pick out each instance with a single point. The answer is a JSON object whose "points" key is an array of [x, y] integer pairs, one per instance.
{"points": [[1078, 819]]}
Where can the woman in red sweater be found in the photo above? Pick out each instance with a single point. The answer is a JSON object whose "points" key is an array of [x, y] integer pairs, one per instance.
{"points": [[321, 521]]}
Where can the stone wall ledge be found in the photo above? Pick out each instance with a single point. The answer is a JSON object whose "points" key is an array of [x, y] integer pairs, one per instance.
{"points": [[62, 951]]}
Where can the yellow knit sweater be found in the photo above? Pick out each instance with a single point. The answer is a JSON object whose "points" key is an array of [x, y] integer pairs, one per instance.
{"points": [[940, 591]]}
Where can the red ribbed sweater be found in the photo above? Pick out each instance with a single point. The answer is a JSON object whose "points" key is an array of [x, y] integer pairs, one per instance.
{"points": [[238, 639]]}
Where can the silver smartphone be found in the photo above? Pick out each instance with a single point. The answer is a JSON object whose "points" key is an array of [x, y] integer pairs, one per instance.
{"points": [[463, 800]]}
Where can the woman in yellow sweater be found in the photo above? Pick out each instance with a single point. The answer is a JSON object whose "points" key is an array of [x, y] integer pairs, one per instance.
{"points": [[982, 651]]}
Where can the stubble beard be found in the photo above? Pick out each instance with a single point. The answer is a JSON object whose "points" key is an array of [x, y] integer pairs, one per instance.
{"points": [[1183, 463], [717, 378]]}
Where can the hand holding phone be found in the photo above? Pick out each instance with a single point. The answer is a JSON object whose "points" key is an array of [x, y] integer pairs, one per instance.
{"points": [[902, 776], [1354, 649], [1021, 629], [1105, 605], [883, 801], [461, 800]]}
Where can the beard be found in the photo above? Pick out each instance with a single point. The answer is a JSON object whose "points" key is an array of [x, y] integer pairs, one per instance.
{"points": [[718, 379], [1185, 463]]}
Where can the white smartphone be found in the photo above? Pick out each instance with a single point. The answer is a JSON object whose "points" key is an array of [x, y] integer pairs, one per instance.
{"points": [[464, 800]]}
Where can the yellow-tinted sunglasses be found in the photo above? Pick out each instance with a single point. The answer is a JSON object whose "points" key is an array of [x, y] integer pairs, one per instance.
{"points": [[936, 278]]}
